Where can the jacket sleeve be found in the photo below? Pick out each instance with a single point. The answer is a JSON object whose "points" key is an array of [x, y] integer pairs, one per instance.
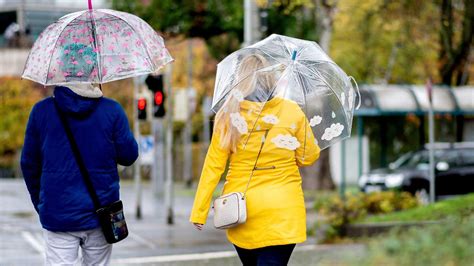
{"points": [[308, 151], [125, 144], [31, 161], [214, 166]]}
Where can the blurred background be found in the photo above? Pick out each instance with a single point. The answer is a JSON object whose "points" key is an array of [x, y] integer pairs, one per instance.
{"points": [[360, 188]]}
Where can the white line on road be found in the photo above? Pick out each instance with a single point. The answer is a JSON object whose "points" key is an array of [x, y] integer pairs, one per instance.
{"points": [[34, 243], [142, 240], [196, 256], [172, 258]]}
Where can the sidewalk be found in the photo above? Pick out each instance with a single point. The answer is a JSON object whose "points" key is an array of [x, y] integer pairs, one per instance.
{"points": [[151, 240]]}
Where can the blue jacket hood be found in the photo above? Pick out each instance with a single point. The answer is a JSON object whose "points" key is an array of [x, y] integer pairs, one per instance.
{"points": [[73, 104]]}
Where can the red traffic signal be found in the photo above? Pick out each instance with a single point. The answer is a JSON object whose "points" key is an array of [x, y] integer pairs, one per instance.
{"points": [[158, 98], [159, 104], [141, 105]]}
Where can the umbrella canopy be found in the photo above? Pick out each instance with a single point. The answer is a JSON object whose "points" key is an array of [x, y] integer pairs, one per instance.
{"points": [[293, 69], [95, 46]]}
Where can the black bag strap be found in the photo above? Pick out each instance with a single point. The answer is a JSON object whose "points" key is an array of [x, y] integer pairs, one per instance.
{"points": [[77, 155]]}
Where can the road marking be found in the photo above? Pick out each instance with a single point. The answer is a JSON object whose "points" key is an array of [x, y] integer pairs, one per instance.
{"points": [[142, 240], [306, 247], [172, 258], [34, 243], [195, 256]]}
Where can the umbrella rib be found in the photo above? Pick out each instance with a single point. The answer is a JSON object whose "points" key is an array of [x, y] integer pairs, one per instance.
{"points": [[96, 43], [233, 86], [305, 111], [263, 51], [283, 44], [263, 107], [56, 42], [329, 86], [139, 36]]}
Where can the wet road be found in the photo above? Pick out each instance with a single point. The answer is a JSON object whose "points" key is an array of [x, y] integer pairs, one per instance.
{"points": [[151, 241]]}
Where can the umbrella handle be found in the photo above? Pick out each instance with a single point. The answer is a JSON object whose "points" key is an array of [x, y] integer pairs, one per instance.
{"points": [[351, 78], [90, 4]]}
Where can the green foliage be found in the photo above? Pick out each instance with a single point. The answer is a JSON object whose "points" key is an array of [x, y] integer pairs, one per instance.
{"points": [[368, 33], [461, 206], [297, 21], [17, 97], [338, 213], [220, 23], [209, 20], [449, 243]]}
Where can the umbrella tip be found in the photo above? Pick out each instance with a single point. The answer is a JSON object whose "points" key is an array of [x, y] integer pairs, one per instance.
{"points": [[293, 56]]}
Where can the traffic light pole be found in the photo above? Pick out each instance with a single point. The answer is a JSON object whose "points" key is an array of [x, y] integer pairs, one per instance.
{"points": [[136, 165], [187, 132], [169, 149], [158, 168]]}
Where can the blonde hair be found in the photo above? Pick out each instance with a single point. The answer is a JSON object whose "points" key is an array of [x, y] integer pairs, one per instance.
{"points": [[246, 84]]}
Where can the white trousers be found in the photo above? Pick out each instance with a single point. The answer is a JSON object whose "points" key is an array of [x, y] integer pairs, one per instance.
{"points": [[62, 248]]}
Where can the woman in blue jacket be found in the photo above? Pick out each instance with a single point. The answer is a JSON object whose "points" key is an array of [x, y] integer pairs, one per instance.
{"points": [[57, 189]]}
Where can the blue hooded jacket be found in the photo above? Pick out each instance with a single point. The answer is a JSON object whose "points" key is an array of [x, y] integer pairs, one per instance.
{"points": [[56, 187]]}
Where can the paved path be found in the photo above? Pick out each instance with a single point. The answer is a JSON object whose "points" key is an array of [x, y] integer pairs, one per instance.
{"points": [[151, 241]]}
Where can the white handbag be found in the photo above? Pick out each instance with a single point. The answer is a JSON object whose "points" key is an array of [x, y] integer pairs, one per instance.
{"points": [[230, 209]]}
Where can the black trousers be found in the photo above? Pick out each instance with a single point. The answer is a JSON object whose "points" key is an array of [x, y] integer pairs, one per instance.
{"points": [[266, 256]]}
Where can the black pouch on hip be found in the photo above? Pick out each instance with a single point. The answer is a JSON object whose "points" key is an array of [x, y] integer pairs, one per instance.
{"points": [[112, 221]]}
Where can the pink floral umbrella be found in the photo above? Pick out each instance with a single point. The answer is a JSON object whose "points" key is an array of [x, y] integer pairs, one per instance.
{"points": [[95, 46]]}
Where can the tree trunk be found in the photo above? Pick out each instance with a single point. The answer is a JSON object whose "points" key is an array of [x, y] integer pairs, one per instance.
{"points": [[321, 171], [454, 58]]}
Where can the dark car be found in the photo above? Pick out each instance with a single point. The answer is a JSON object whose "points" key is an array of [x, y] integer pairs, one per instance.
{"points": [[454, 172]]}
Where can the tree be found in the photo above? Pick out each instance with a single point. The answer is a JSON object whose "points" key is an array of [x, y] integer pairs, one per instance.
{"points": [[16, 100], [217, 22], [456, 45], [324, 13]]}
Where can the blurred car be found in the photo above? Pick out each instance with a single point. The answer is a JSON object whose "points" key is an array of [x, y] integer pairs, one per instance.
{"points": [[454, 172]]}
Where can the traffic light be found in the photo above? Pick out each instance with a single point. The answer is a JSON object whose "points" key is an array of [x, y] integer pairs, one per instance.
{"points": [[141, 107], [263, 14], [155, 84], [159, 107]]}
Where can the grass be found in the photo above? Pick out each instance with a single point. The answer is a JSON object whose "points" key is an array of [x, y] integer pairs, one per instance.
{"points": [[461, 206], [450, 242]]}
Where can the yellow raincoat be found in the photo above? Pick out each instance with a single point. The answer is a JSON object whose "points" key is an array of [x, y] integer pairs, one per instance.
{"points": [[276, 212]]}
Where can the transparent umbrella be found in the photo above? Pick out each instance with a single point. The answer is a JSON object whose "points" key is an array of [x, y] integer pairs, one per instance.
{"points": [[95, 46], [293, 69]]}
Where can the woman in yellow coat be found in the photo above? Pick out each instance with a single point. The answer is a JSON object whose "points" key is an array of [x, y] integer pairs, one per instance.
{"points": [[276, 216]]}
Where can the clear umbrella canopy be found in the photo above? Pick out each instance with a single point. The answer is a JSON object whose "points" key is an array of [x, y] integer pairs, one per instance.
{"points": [[95, 46], [292, 69]]}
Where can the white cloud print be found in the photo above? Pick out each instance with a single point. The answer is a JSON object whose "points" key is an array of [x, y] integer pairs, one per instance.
{"points": [[239, 122], [316, 120], [286, 142], [237, 95], [271, 119], [332, 132]]}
